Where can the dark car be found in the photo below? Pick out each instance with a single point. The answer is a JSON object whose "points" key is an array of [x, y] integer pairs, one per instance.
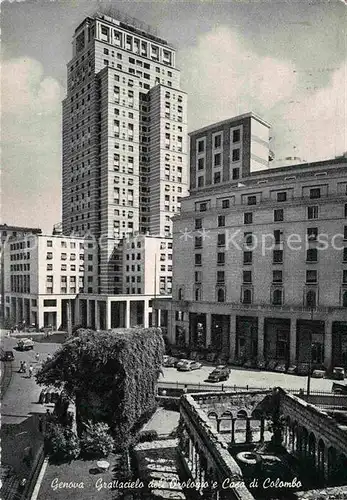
{"points": [[219, 374], [169, 361], [338, 373], [7, 356], [339, 388]]}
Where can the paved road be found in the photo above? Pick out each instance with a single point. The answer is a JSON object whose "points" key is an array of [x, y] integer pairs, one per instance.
{"points": [[243, 377], [23, 393]]}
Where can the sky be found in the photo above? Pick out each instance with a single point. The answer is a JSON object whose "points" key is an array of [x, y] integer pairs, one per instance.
{"points": [[285, 60]]}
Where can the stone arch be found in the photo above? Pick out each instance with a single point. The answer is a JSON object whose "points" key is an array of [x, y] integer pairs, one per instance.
{"points": [[287, 428], [212, 414], [304, 441], [312, 448], [242, 414], [294, 439], [225, 421], [320, 459]]}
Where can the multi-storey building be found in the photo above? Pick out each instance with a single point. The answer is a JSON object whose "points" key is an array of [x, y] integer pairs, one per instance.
{"points": [[47, 275], [7, 232], [260, 265], [147, 265], [44, 274], [124, 137]]}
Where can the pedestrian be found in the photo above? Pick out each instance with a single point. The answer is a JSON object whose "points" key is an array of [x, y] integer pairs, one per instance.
{"points": [[49, 357], [31, 369], [24, 367], [37, 357], [21, 369]]}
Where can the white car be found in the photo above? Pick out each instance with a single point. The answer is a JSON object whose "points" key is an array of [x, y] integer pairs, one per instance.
{"points": [[188, 365]]}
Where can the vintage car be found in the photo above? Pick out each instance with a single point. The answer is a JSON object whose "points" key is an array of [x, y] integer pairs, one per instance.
{"points": [[25, 345], [219, 374], [7, 355], [187, 365], [169, 361], [338, 373]]}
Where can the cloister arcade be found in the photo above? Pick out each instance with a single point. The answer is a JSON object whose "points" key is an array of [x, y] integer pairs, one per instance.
{"points": [[211, 424]]}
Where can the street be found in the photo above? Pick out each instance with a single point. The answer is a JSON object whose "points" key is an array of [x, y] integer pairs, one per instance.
{"points": [[243, 377], [21, 397]]}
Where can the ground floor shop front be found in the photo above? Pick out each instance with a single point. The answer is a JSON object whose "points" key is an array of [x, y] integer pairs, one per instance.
{"points": [[290, 337]]}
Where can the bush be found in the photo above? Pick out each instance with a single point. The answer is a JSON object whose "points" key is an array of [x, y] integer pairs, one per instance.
{"points": [[96, 440], [61, 443]]}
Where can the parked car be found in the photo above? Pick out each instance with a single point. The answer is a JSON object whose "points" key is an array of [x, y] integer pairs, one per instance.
{"points": [[339, 388], [292, 369], [187, 365], [338, 373], [25, 345], [318, 373], [219, 374], [169, 361], [7, 356], [281, 368]]}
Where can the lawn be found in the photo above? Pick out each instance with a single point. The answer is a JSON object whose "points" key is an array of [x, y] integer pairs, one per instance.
{"points": [[81, 479]]}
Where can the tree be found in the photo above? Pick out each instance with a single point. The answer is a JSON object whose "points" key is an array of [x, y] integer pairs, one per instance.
{"points": [[96, 440], [111, 376]]}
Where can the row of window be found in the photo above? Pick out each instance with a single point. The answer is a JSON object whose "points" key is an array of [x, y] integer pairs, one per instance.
{"points": [[277, 296], [73, 267], [20, 267], [277, 257], [63, 256], [279, 196], [277, 276], [217, 141]]}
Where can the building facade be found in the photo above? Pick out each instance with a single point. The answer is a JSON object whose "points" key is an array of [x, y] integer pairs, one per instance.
{"points": [[49, 277], [7, 232], [260, 266], [43, 276], [124, 138]]}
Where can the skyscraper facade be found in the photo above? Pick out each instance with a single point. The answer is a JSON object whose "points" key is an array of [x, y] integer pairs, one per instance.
{"points": [[124, 138]]}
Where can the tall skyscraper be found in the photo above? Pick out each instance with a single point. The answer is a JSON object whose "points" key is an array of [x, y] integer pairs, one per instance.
{"points": [[124, 137]]}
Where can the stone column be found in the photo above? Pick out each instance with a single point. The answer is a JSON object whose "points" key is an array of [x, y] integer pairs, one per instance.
{"points": [[108, 314], [127, 314], [233, 430], [260, 338], [97, 316], [232, 338], [262, 429], [292, 341], [328, 345], [145, 313], [40, 315], [208, 330], [87, 313]]}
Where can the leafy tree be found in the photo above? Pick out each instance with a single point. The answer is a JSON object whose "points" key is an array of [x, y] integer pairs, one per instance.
{"points": [[96, 440], [110, 375], [61, 443]]}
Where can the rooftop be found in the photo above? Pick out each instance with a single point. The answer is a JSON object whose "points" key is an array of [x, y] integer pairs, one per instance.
{"points": [[231, 120]]}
